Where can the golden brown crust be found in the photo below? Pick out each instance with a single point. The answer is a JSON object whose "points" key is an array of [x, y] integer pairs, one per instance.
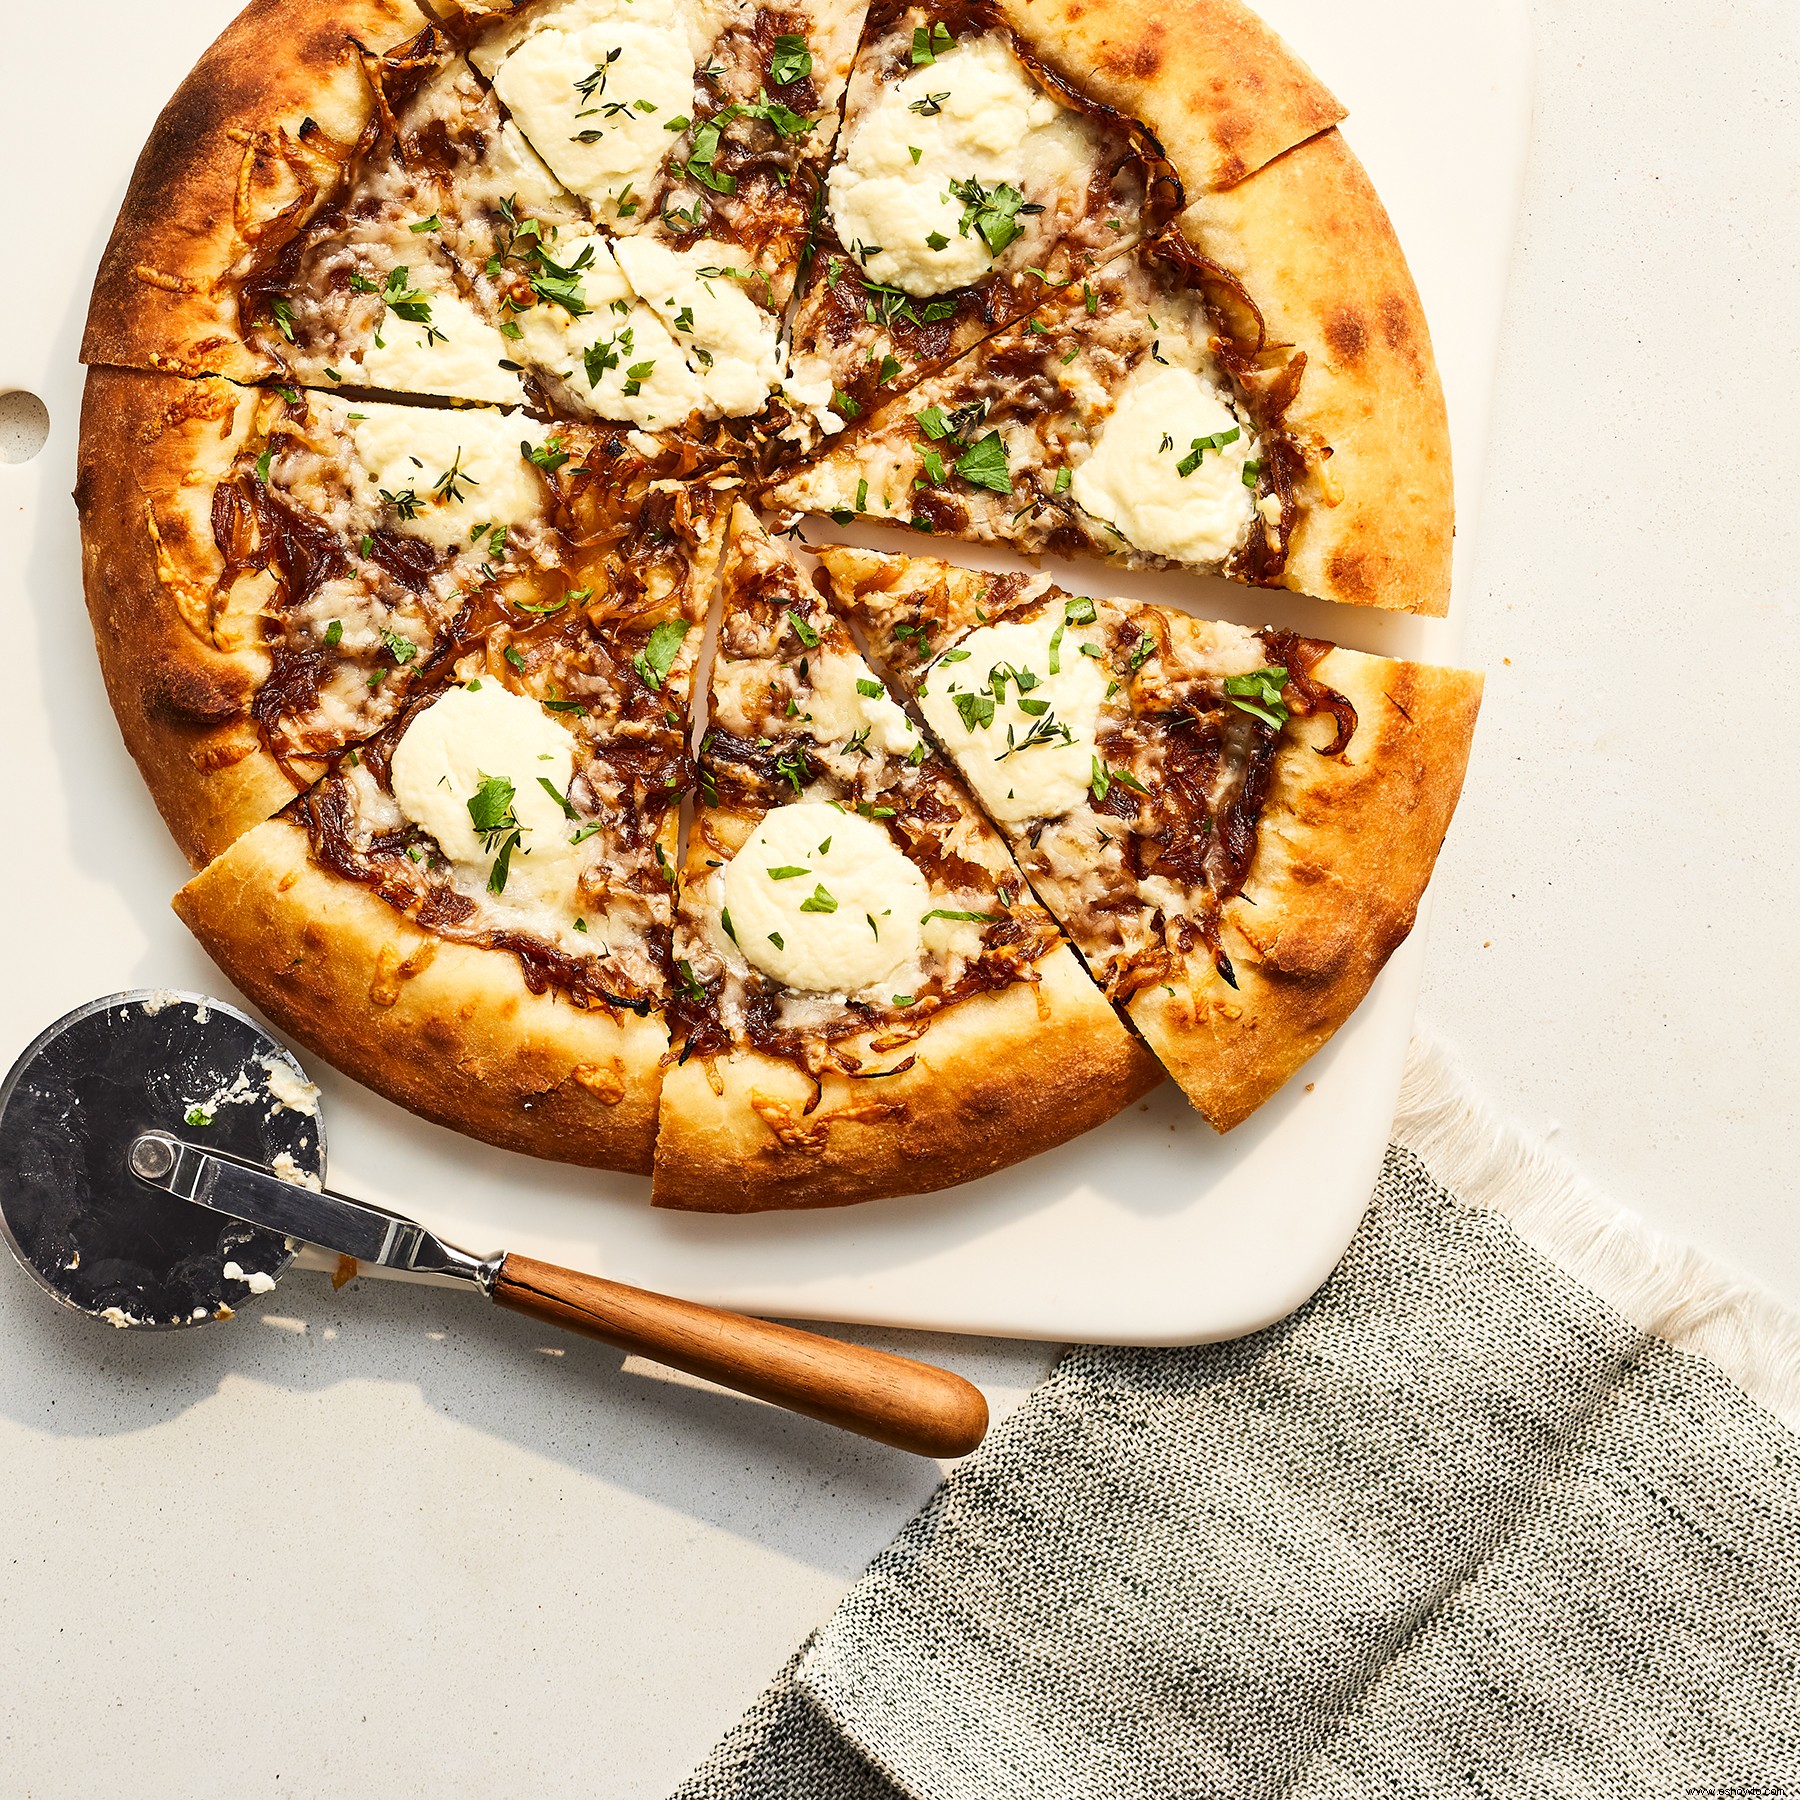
{"points": [[999, 1077], [1345, 847], [1219, 90], [1312, 244], [449, 1030], [220, 166], [181, 664]]}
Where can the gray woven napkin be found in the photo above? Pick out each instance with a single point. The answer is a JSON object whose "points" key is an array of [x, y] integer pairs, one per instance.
{"points": [[1507, 1508]]}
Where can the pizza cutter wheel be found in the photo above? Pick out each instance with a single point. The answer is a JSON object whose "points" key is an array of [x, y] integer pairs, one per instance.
{"points": [[160, 1156]]}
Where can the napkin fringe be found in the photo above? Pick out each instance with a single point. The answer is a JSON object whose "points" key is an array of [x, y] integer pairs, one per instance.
{"points": [[1661, 1285]]}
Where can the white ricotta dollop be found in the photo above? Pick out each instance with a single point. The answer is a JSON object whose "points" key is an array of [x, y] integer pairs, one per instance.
{"points": [[517, 171], [729, 342], [1133, 477], [824, 900], [475, 734], [455, 353], [838, 709], [616, 358], [594, 92], [974, 113], [461, 468], [1052, 773]]}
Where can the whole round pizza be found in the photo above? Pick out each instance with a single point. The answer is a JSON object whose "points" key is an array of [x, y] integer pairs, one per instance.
{"points": [[473, 392]]}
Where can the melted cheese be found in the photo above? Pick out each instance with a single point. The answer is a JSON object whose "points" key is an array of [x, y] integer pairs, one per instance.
{"points": [[471, 734], [593, 90], [990, 123], [457, 354], [729, 342], [516, 170], [615, 336], [878, 899], [471, 458], [1132, 479], [837, 710], [1053, 774]]}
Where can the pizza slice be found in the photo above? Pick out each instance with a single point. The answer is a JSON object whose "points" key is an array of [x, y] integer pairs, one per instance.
{"points": [[471, 912], [869, 1001], [993, 153], [341, 215], [1235, 827], [274, 573], [1236, 396]]}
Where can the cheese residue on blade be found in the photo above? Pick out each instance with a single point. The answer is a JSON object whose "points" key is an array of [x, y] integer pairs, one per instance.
{"points": [[454, 352], [616, 358], [593, 91], [473, 736], [823, 900], [440, 471], [1022, 731], [1157, 476], [972, 115]]}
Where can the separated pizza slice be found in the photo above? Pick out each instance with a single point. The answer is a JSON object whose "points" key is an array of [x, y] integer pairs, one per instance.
{"points": [[1235, 827], [1239, 395], [366, 207], [274, 573], [869, 1000], [471, 912], [993, 153]]}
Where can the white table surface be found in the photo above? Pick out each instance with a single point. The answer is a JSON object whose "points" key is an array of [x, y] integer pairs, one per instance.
{"points": [[388, 1544]]}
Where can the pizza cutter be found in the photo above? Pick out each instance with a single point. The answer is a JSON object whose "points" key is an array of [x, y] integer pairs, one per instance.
{"points": [[161, 1159]]}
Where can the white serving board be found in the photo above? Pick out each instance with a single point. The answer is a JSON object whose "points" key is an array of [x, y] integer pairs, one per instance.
{"points": [[1150, 1230]]}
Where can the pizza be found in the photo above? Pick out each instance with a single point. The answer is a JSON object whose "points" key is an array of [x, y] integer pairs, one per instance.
{"points": [[1150, 412], [869, 998], [1235, 827], [452, 373]]}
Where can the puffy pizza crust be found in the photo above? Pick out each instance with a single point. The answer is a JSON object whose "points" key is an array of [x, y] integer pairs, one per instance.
{"points": [[215, 174], [999, 1077], [1345, 845], [180, 669], [448, 1030], [1311, 242], [1221, 92]]}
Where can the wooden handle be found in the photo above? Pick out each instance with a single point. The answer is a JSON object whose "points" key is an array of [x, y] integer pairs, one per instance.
{"points": [[911, 1405]]}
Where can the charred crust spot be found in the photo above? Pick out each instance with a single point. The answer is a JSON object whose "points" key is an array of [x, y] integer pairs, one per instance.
{"points": [[1352, 576], [1346, 335], [199, 696]]}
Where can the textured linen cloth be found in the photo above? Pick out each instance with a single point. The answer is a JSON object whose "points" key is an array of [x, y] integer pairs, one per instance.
{"points": [[1479, 1518]]}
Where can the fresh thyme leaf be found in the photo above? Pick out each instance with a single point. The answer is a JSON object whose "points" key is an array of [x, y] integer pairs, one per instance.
{"points": [[282, 310]]}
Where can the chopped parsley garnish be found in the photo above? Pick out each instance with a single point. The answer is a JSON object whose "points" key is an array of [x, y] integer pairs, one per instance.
{"points": [[283, 313], [818, 901], [870, 690], [972, 918], [725, 920], [929, 43], [803, 631], [550, 456], [983, 464], [197, 1115], [401, 649], [1259, 694], [334, 634], [1146, 644], [1217, 441], [776, 939], [434, 223], [691, 982], [994, 212], [787, 872], [1064, 476], [842, 403], [975, 710], [1252, 474], [557, 795], [262, 466], [1079, 611], [515, 657], [791, 766], [790, 60], [496, 824], [890, 367], [657, 657]]}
